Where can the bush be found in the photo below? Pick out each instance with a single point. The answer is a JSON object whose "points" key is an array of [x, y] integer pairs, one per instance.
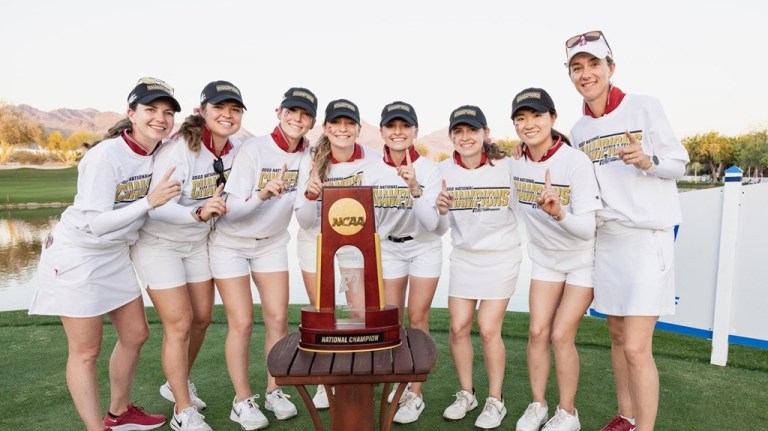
{"points": [[29, 158]]}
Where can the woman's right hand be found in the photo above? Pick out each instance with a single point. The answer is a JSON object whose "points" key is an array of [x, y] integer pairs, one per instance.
{"points": [[166, 190], [314, 185], [517, 151], [215, 206], [444, 200]]}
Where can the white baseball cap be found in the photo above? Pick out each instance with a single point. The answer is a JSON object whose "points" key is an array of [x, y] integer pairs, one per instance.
{"points": [[592, 42]]}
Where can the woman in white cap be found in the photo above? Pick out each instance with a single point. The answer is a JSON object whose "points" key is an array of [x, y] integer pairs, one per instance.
{"points": [[637, 159], [250, 242], [411, 256], [171, 256], [336, 160], [558, 196], [477, 201], [85, 271]]}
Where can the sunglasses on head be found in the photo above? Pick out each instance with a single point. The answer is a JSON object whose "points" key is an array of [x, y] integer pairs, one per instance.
{"points": [[581, 39], [218, 168], [154, 81]]}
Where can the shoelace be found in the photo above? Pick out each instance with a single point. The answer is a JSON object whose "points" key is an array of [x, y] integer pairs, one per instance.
{"points": [[195, 418], [530, 413], [559, 417], [409, 400], [463, 399], [489, 405]]}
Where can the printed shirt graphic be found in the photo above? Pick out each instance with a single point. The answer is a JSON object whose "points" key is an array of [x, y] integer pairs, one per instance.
{"points": [[174, 221], [629, 196], [110, 176], [259, 160], [483, 214], [393, 204], [572, 177]]}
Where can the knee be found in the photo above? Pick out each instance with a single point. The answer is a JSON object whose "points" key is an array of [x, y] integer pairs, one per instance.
{"points": [[241, 327], [178, 330], [201, 323], [85, 354], [538, 334], [135, 337], [489, 333], [460, 330], [561, 340], [276, 321], [637, 354], [419, 320]]}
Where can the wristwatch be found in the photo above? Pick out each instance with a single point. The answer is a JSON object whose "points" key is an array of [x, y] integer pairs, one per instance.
{"points": [[654, 163]]}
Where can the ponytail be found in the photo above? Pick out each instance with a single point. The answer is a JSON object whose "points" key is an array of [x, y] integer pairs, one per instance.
{"points": [[321, 155], [192, 131]]}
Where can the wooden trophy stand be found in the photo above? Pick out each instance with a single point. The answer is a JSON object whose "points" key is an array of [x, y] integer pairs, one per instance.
{"points": [[347, 219]]}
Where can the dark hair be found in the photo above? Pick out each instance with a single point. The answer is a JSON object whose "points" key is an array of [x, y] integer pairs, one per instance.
{"points": [[556, 135], [493, 151]]}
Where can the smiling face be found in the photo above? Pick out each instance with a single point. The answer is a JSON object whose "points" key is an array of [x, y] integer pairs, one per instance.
{"points": [[398, 134], [591, 76], [534, 128], [295, 123], [342, 132], [152, 123], [223, 119], [468, 142]]}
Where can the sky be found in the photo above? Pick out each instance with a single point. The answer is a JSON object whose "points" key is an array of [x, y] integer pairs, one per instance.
{"points": [[705, 60]]}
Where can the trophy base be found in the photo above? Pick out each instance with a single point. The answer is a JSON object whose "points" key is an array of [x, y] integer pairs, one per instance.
{"points": [[320, 332]]}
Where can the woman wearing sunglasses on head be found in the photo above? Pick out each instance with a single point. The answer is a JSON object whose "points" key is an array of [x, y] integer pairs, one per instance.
{"points": [[558, 197], [251, 242], [85, 271], [637, 159], [171, 256]]}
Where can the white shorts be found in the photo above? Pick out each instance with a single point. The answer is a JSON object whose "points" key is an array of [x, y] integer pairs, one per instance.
{"points": [[306, 248], [484, 274], [233, 256], [574, 267], [413, 257], [634, 271], [75, 281], [163, 264]]}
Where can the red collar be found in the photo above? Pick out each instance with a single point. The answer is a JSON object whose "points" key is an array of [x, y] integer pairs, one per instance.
{"points": [[411, 150], [457, 159], [135, 146], [208, 143], [615, 96], [279, 137], [356, 154], [550, 151]]}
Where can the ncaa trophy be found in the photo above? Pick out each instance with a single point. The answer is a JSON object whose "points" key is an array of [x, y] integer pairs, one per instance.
{"points": [[347, 220]]}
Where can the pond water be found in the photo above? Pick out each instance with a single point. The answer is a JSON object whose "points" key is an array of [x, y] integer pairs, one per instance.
{"points": [[22, 232]]}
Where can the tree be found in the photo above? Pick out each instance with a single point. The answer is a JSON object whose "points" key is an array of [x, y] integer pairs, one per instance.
{"points": [[17, 129], [6, 150], [711, 149], [55, 141], [752, 152]]}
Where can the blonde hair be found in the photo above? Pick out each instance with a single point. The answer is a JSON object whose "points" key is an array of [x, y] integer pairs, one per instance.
{"points": [[321, 155], [192, 131], [493, 151]]}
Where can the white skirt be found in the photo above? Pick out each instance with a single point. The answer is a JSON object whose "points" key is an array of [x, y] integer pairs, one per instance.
{"points": [[484, 274], [74, 281], [634, 271]]}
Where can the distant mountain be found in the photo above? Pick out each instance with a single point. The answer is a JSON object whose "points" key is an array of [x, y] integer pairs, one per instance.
{"points": [[70, 120]]}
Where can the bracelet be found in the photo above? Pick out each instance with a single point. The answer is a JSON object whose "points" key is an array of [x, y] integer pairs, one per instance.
{"points": [[557, 218], [198, 214], [416, 196], [309, 197]]}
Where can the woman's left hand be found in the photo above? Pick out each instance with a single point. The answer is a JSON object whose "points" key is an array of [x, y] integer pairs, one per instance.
{"points": [[408, 174], [549, 199], [633, 154]]}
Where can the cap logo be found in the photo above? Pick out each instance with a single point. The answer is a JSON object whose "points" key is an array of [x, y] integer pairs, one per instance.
{"points": [[230, 88], [470, 112], [528, 95], [400, 107], [132, 98], [304, 94], [203, 97], [340, 105], [157, 87]]}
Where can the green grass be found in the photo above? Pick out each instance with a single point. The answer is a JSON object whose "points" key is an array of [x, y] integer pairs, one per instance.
{"points": [[25, 185], [694, 395]]}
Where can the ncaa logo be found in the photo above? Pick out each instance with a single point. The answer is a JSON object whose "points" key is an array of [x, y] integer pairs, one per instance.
{"points": [[347, 216]]}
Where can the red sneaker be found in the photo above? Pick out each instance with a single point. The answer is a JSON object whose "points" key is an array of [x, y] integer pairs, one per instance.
{"points": [[619, 423], [133, 419]]}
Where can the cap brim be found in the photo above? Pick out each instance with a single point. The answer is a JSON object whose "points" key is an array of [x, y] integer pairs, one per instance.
{"points": [[389, 118], [597, 48], [342, 114], [225, 97], [300, 104], [538, 107], [474, 123], [152, 97]]}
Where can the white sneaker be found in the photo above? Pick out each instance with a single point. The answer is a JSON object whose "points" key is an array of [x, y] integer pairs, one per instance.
{"points": [[533, 418], [189, 420], [493, 412], [394, 389], [563, 421], [320, 400], [464, 403], [247, 414], [411, 406], [165, 392], [278, 402]]}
